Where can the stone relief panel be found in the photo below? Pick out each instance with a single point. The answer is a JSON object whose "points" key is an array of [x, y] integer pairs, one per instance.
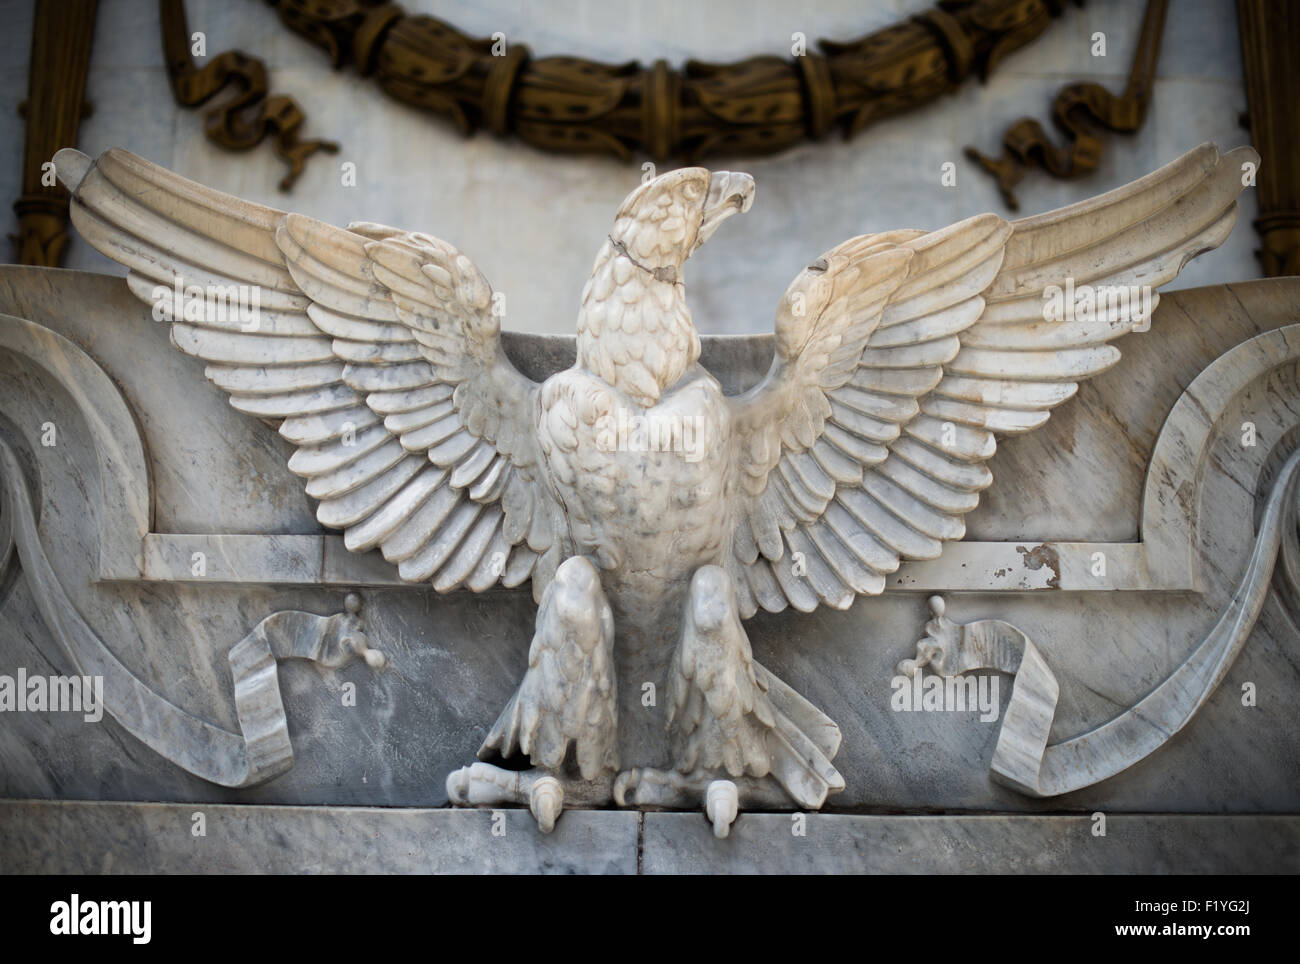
{"points": [[171, 524]]}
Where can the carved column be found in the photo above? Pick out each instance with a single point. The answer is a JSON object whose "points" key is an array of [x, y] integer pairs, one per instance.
{"points": [[1270, 45], [56, 86]]}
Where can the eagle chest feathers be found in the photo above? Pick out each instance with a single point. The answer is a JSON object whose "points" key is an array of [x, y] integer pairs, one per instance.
{"points": [[643, 488]]}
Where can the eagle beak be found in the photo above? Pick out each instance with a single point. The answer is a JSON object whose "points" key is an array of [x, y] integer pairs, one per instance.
{"points": [[729, 192]]}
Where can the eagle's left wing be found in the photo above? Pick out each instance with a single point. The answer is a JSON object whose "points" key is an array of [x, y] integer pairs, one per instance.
{"points": [[376, 351], [900, 358]]}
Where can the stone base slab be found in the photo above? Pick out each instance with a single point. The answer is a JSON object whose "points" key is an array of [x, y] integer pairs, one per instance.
{"points": [[74, 837]]}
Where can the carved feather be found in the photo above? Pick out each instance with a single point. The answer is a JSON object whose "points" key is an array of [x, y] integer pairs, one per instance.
{"points": [[376, 348], [957, 352], [566, 703]]}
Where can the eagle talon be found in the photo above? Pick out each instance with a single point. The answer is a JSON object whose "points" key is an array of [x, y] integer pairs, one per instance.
{"points": [[722, 806], [543, 792], [627, 780], [658, 788], [546, 802], [458, 787], [482, 783]]}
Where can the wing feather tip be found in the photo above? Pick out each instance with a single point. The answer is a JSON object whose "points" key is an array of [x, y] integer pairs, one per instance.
{"points": [[71, 167]]}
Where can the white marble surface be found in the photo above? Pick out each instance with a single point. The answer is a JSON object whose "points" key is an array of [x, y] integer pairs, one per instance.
{"points": [[416, 172]]}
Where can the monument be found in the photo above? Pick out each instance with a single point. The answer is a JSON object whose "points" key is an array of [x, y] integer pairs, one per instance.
{"points": [[664, 497]]}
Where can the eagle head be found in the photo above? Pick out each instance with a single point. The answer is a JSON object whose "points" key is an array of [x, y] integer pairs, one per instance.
{"points": [[666, 219], [635, 330]]}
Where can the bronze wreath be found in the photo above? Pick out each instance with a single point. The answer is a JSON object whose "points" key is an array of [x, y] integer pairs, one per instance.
{"points": [[754, 106]]}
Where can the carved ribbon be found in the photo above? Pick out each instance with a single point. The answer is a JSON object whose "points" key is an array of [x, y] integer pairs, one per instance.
{"points": [[262, 749], [1076, 109], [1022, 759], [246, 119]]}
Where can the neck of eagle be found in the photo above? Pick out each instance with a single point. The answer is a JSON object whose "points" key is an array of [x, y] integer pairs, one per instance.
{"points": [[634, 329]]}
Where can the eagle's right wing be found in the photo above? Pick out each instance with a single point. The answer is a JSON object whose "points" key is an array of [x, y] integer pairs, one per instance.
{"points": [[375, 350], [902, 357]]}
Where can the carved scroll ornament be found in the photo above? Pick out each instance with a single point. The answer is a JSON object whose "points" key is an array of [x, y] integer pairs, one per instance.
{"points": [[1023, 759], [261, 750]]}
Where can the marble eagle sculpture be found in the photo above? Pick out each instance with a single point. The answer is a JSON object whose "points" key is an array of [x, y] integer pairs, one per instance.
{"points": [[900, 358]]}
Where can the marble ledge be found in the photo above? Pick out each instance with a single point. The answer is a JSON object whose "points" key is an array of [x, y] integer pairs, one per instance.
{"points": [[109, 837], [322, 560]]}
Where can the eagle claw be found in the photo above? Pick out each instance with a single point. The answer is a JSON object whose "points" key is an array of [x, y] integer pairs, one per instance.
{"points": [[721, 806], [546, 801]]}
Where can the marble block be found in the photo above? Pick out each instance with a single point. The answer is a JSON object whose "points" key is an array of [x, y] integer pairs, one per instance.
{"points": [[124, 838]]}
